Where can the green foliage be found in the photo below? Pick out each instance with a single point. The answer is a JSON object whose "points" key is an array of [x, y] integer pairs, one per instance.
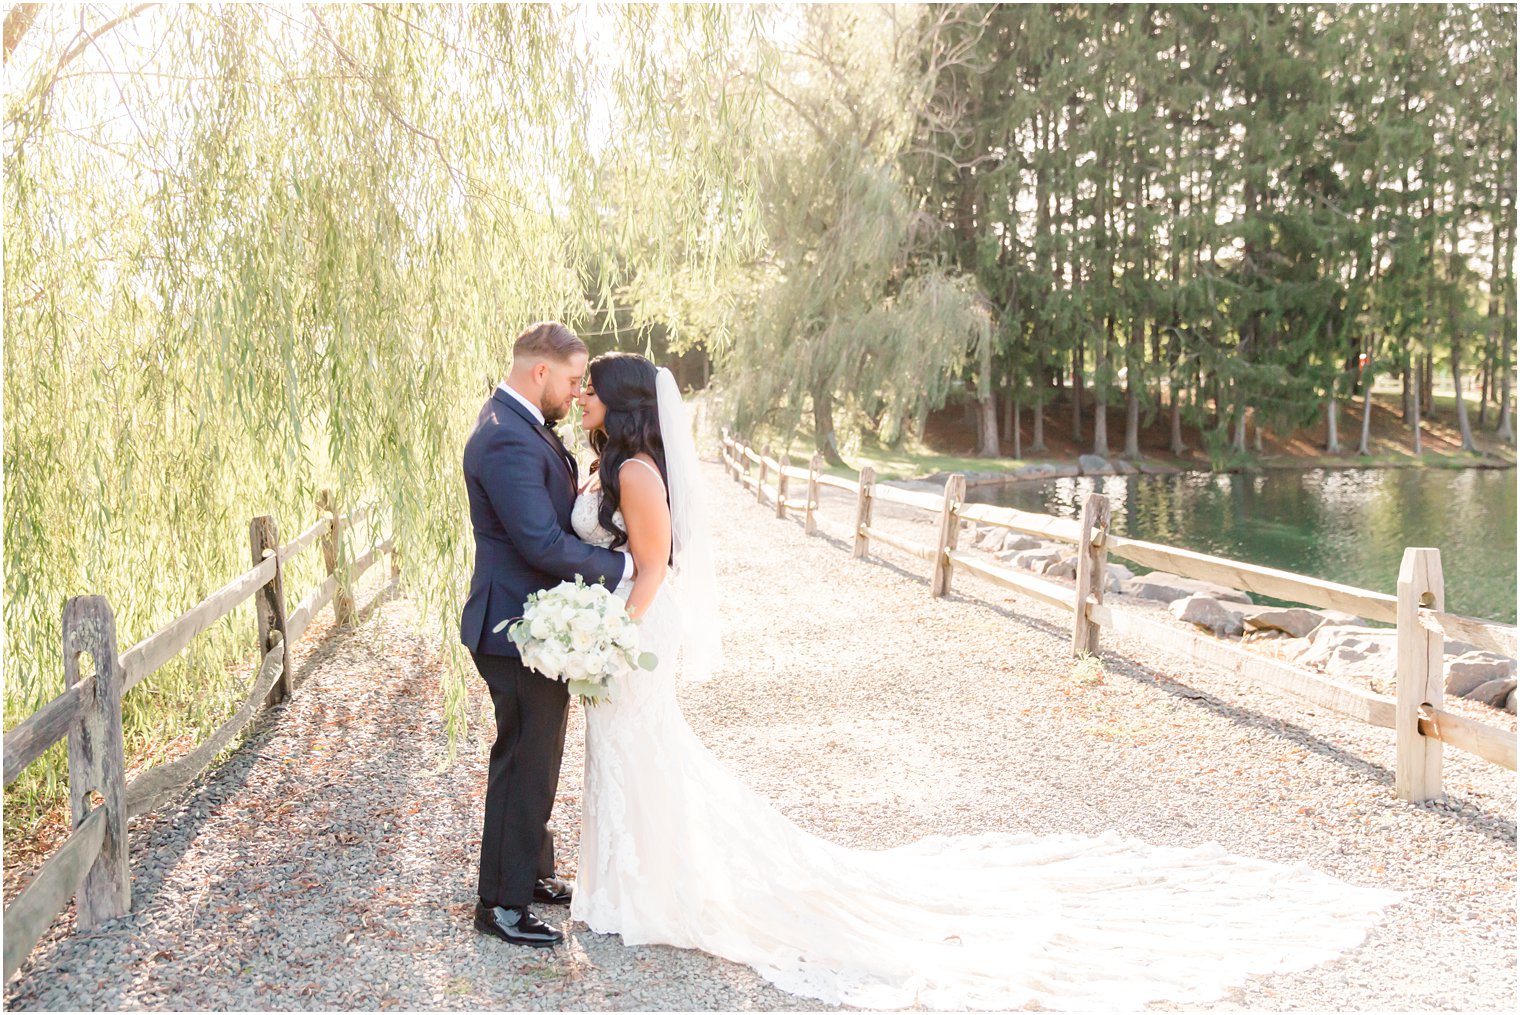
{"points": [[252, 252]]}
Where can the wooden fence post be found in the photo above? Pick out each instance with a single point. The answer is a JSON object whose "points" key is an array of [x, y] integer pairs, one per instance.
{"points": [[781, 486], [863, 511], [269, 600], [1417, 775], [97, 757], [744, 450], [1092, 571], [809, 523], [760, 483], [343, 600], [949, 534]]}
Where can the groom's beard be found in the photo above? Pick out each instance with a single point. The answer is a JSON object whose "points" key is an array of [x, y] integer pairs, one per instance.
{"points": [[553, 413]]}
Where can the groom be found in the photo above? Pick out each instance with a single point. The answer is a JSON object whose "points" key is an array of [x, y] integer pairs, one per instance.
{"points": [[522, 484]]}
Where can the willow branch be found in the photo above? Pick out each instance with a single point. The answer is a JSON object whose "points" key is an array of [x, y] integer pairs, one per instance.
{"points": [[17, 21], [79, 47]]}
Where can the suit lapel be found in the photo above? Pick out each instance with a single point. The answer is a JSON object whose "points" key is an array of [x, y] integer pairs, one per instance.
{"points": [[544, 433]]}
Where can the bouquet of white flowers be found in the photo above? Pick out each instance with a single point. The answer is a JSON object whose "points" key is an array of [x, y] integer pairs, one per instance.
{"points": [[580, 634]]}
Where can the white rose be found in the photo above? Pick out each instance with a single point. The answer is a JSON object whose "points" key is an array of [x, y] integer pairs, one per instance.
{"points": [[582, 640], [575, 668], [539, 628], [627, 637], [551, 660]]}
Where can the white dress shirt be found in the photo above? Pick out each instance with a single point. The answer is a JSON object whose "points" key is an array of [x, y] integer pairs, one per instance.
{"points": [[538, 414]]}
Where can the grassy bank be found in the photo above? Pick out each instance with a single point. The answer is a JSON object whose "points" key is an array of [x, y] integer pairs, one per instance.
{"points": [[949, 438]]}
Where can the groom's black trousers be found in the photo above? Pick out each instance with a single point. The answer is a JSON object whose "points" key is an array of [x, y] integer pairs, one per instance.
{"points": [[516, 847]]}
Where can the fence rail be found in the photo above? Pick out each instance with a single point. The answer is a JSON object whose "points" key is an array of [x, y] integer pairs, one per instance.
{"points": [[1421, 726], [91, 864]]}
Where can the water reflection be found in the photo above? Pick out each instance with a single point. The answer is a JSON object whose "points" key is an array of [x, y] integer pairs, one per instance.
{"points": [[1348, 525]]}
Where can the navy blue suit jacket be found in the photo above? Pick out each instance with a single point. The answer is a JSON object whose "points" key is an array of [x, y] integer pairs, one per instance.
{"points": [[521, 491]]}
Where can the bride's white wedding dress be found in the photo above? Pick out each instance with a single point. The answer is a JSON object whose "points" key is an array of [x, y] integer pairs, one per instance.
{"points": [[676, 850]]}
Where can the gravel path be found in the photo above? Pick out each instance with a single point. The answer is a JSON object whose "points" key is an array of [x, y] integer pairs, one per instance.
{"points": [[330, 863]]}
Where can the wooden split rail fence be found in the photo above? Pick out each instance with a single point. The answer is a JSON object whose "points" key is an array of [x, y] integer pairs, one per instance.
{"points": [[91, 865], [1421, 726]]}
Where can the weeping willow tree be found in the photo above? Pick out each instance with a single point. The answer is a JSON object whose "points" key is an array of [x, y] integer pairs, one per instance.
{"points": [[256, 251], [845, 313]]}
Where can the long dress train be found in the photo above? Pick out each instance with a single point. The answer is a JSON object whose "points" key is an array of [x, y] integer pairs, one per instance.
{"points": [[676, 850]]}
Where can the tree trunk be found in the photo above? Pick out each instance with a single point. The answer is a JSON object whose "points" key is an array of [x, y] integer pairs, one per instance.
{"points": [[1483, 375], [987, 428], [1037, 439], [1408, 388], [1018, 443], [1506, 427], [1428, 385], [1177, 446], [1332, 426], [1131, 421], [1010, 401], [1100, 396], [825, 440], [1419, 446], [987, 432], [1076, 392], [1363, 448], [1131, 389], [1456, 382]]}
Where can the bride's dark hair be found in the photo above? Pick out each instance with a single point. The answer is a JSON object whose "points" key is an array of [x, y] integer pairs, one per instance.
{"points": [[625, 384]]}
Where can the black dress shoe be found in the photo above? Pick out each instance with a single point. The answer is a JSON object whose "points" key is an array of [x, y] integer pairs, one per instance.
{"points": [[553, 891], [515, 925]]}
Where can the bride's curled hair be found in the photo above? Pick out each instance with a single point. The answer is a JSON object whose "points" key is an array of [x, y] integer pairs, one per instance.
{"points": [[625, 384]]}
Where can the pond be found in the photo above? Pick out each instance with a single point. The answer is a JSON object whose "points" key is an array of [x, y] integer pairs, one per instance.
{"points": [[1344, 525]]}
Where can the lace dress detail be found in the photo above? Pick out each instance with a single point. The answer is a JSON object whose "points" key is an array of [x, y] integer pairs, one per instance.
{"points": [[677, 850]]}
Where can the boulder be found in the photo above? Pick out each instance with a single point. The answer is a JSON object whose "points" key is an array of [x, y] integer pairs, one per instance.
{"points": [[1036, 560], [1018, 541], [1498, 693], [1472, 669], [1335, 618], [1295, 621], [1346, 650], [1093, 465], [1045, 470], [1065, 567], [1209, 613], [988, 537], [1164, 587], [1122, 468], [1509, 703], [1154, 469], [1120, 572]]}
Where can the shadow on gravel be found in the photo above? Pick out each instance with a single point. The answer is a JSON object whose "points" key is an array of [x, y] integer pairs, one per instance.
{"points": [[1454, 807], [174, 826]]}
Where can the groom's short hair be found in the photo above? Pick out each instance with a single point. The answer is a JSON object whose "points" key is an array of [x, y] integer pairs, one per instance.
{"points": [[548, 340]]}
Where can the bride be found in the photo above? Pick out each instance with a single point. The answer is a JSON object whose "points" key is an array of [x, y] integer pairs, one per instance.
{"points": [[677, 850]]}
